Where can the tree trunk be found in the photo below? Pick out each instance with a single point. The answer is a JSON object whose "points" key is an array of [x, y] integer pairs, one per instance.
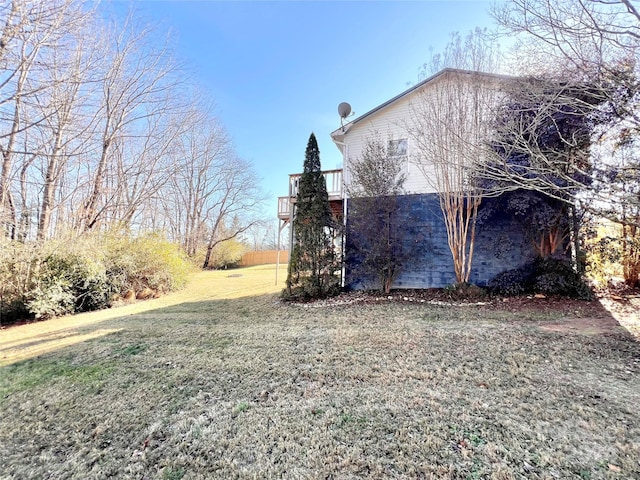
{"points": [[90, 217], [207, 257], [48, 194]]}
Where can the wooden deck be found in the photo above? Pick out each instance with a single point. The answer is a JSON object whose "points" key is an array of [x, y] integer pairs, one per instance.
{"points": [[335, 190]]}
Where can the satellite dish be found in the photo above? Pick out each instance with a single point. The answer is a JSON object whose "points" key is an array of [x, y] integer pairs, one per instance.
{"points": [[344, 110]]}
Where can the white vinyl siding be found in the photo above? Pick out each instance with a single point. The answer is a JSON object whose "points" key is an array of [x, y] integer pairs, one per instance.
{"points": [[389, 123], [394, 121]]}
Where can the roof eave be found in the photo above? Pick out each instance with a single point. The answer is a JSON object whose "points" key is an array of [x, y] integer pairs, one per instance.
{"points": [[418, 86]]}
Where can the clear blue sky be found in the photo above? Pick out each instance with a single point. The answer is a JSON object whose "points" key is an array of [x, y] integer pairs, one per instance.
{"points": [[278, 70]]}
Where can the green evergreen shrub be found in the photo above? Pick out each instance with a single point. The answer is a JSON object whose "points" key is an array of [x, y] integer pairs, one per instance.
{"points": [[148, 261], [550, 276], [57, 277], [314, 262], [19, 266], [51, 299], [557, 277], [83, 274], [512, 282]]}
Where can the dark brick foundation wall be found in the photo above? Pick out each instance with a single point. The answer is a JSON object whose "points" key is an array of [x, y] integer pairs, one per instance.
{"points": [[500, 245]]}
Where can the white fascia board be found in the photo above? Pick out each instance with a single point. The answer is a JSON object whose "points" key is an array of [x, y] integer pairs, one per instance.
{"points": [[452, 71]]}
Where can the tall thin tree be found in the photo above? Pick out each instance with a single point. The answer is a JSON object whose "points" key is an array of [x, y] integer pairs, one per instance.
{"points": [[313, 262], [450, 130]]}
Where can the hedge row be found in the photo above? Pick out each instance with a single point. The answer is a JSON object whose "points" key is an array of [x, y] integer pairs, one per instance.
{"points": [[44, 280]]}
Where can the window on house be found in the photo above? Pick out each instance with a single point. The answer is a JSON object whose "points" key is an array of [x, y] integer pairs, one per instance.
{"points": [[398, 148]]}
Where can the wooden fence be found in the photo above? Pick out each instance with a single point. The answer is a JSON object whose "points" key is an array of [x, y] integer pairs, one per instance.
{"points": [[263, 258]]}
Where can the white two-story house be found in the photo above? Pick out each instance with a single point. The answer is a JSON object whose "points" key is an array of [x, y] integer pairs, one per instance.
{"points": [[400, 121]]}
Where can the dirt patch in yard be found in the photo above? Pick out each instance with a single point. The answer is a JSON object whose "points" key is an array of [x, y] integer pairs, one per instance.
{"points": [[602, 316], [585, 326]]}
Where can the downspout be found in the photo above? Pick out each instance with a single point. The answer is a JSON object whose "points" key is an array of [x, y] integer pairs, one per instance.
{"points": [[345, 156], [291, 217], [278, 253]]}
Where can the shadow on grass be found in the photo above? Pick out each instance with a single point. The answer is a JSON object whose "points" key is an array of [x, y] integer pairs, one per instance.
{"points": [[89, 354], [551, 315], [211, 389], [576, 316], [31, 340]]}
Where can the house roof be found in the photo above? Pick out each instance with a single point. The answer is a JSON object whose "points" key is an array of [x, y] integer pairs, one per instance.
{"points": [[338, 134]]}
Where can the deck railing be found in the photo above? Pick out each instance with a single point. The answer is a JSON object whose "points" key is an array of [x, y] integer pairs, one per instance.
{"points": [[334, 191], [284, 207], [332, 177]]}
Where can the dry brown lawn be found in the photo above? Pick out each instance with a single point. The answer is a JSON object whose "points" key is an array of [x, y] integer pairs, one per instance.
{"points": [[203, 386]]}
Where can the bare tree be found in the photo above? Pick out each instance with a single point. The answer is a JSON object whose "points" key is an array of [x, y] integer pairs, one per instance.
{"points": [[621, 180], [596, 42], [28, 31], [212, 195], [199, 154], [450, 126], [142, 166], [588, 35], [137, 81], [542, 141], [262, 236], [448, 130], [562, 140], [63, 133], [88, 120], [95, 133], [559, 130], [478, 51], [236, 200]]}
